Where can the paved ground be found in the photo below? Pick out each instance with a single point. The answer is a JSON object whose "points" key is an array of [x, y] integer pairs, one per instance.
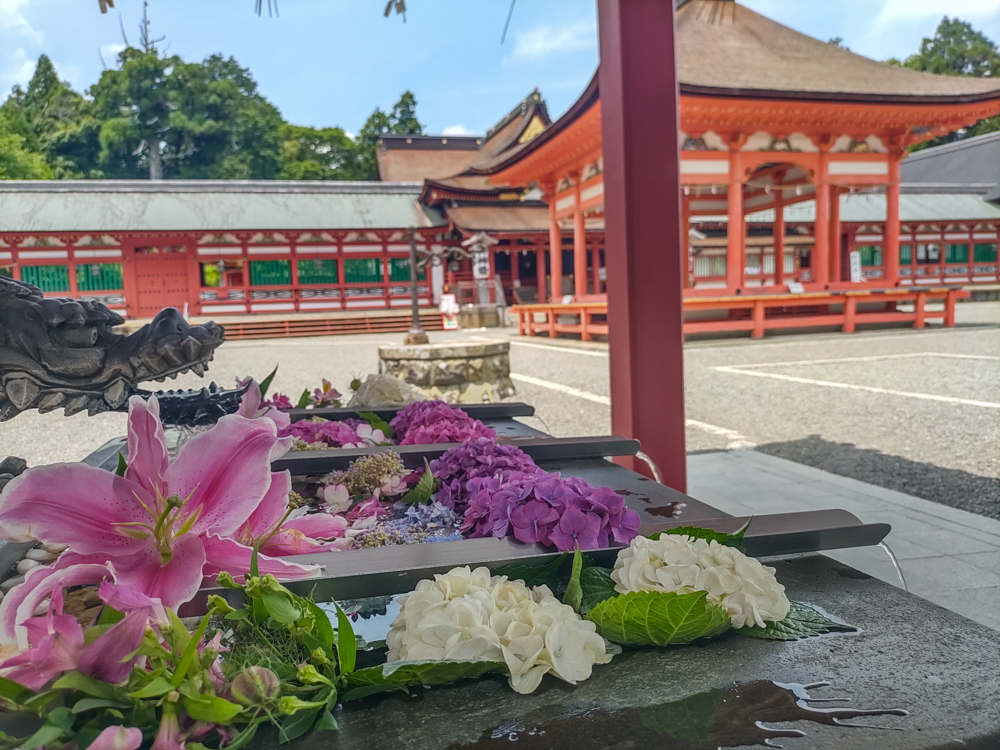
{"points": [[948, 556], [913, 411]]}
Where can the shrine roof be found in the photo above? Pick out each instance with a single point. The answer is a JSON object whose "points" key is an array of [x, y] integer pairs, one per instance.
{"points": [[501, 218], [419, 157], [206, 205], [516, 130], [726, 49], [974, 159]]}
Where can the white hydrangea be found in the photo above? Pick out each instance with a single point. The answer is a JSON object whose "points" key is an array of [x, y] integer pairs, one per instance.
{"points": [[747, 590], [467, 614]]}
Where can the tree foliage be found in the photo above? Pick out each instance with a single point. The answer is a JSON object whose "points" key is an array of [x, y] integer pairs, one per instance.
{"points": [[957, 49], [154, 115]]}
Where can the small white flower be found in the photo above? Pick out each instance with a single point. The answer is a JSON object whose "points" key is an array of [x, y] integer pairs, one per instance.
{"points": [[467, 614], [337, 497], [743, 587]]}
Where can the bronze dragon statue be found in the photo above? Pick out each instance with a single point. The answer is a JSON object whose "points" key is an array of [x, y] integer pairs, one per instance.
{"points": [[65, 353]]}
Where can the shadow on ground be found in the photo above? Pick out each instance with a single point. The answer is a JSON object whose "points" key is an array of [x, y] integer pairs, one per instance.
{"points": [[959, 489]]}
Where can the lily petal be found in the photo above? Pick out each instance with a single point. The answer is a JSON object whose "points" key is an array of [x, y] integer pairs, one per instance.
{"points": [[272, 508], [250, 401], [233, 557], [291, 542], [226, 472], [117, 738], [44, 503], [147, 447], [105, 657], [127, 599], [18, 605], [318, 525], [174, 582]]}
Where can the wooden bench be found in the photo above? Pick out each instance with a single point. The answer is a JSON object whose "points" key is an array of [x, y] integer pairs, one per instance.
{"points": [[758, 313]]}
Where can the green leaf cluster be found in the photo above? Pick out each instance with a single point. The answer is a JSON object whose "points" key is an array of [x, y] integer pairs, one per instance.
{"points": [[696, 532], [648, 618], [421, 492]]}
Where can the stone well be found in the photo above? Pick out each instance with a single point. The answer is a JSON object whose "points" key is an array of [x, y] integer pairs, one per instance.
{"points": [[459, 373]]}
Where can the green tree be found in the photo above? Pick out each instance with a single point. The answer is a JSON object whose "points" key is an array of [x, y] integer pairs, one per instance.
{"points": [[401, 121], [16, 161], [56, 122], [957, 49], [317, 154]]}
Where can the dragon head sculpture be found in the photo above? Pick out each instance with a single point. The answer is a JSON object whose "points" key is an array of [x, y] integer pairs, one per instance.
{"points": [[65, 353]]}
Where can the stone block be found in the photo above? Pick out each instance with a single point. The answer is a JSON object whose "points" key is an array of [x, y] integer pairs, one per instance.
{"points": [[463, 372]]}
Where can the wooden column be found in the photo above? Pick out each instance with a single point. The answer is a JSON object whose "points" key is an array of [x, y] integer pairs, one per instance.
{"points": [[736, 262], [890, 238], [685, 242], [778, 233], [515, 272], [595, 267], [642, 221], [540, 271], [555, 251], [579, 245], [820, 264], [835, 249]]}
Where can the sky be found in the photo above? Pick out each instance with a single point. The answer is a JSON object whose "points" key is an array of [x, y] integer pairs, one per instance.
{"points": [[331, 62]]}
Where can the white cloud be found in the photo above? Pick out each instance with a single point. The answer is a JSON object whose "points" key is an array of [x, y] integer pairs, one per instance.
{"points": [[109, 53], [457, 130], [543, 40], [15, 68], [13, 22], [918, 10]]}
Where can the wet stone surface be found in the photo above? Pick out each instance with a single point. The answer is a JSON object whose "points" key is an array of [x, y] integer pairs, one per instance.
{"points": [[908, 654]]}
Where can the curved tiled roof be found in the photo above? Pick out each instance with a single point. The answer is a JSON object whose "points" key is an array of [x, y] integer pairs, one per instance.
{"points": [[724, 48]]}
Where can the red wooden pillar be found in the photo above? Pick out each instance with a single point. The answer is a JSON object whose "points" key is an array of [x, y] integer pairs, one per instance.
{"points": [[555, 251], [685, 242], [642, 220], [540, 272], [595, 269], [778, 233], [820, 265], [736, 262], [890, 238], [835, 239], [579, 245]]}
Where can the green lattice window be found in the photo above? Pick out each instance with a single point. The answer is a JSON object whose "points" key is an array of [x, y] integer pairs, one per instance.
{"points": [[270, 273], [905, 254], [94, 277], [363, 270], [317, 271], [985, 252], [957, 253], [399, 270], [47, 278], [871, 255]]}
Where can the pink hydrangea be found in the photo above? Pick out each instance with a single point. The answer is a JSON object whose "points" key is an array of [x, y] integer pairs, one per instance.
{"points": [[333, 434], [430, 422]]}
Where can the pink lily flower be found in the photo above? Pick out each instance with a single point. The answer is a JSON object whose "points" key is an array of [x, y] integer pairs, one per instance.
{"points": [[163, 525], [117, 738], [282, 533], [252, 406], [56, 641], [325, 396]]}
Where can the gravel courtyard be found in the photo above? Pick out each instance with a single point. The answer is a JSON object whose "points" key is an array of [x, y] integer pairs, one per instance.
{"points": [[913, 411]]}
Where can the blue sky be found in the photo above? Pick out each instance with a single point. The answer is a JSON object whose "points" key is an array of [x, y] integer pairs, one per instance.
{"points": [[330, 62]]}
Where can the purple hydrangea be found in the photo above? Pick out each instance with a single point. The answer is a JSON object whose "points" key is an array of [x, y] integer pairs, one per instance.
{"points": [[482, 458], [332, 434], [544, 508], [429, 422]]}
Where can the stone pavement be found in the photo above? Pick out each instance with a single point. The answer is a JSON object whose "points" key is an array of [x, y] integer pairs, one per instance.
{"points": [[948, 556]]}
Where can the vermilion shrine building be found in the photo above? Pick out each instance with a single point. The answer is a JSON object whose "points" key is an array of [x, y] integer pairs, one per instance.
{"points": [[791, 153]]}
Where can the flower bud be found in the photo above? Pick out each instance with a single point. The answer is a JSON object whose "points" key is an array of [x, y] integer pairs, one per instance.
{"points": [[318, 656], [226, 581], [219, 605], [290, 704], [255, 685], [309, 675]]}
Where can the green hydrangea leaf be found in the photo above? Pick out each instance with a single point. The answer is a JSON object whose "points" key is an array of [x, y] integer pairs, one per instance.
{"points": [[597, 586], [400, 675], [347, 644], [377, 423], [802, 621], [422, 490], [303, 400], [574, 591], [536, 575], [641, 618], [696, 532]]}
